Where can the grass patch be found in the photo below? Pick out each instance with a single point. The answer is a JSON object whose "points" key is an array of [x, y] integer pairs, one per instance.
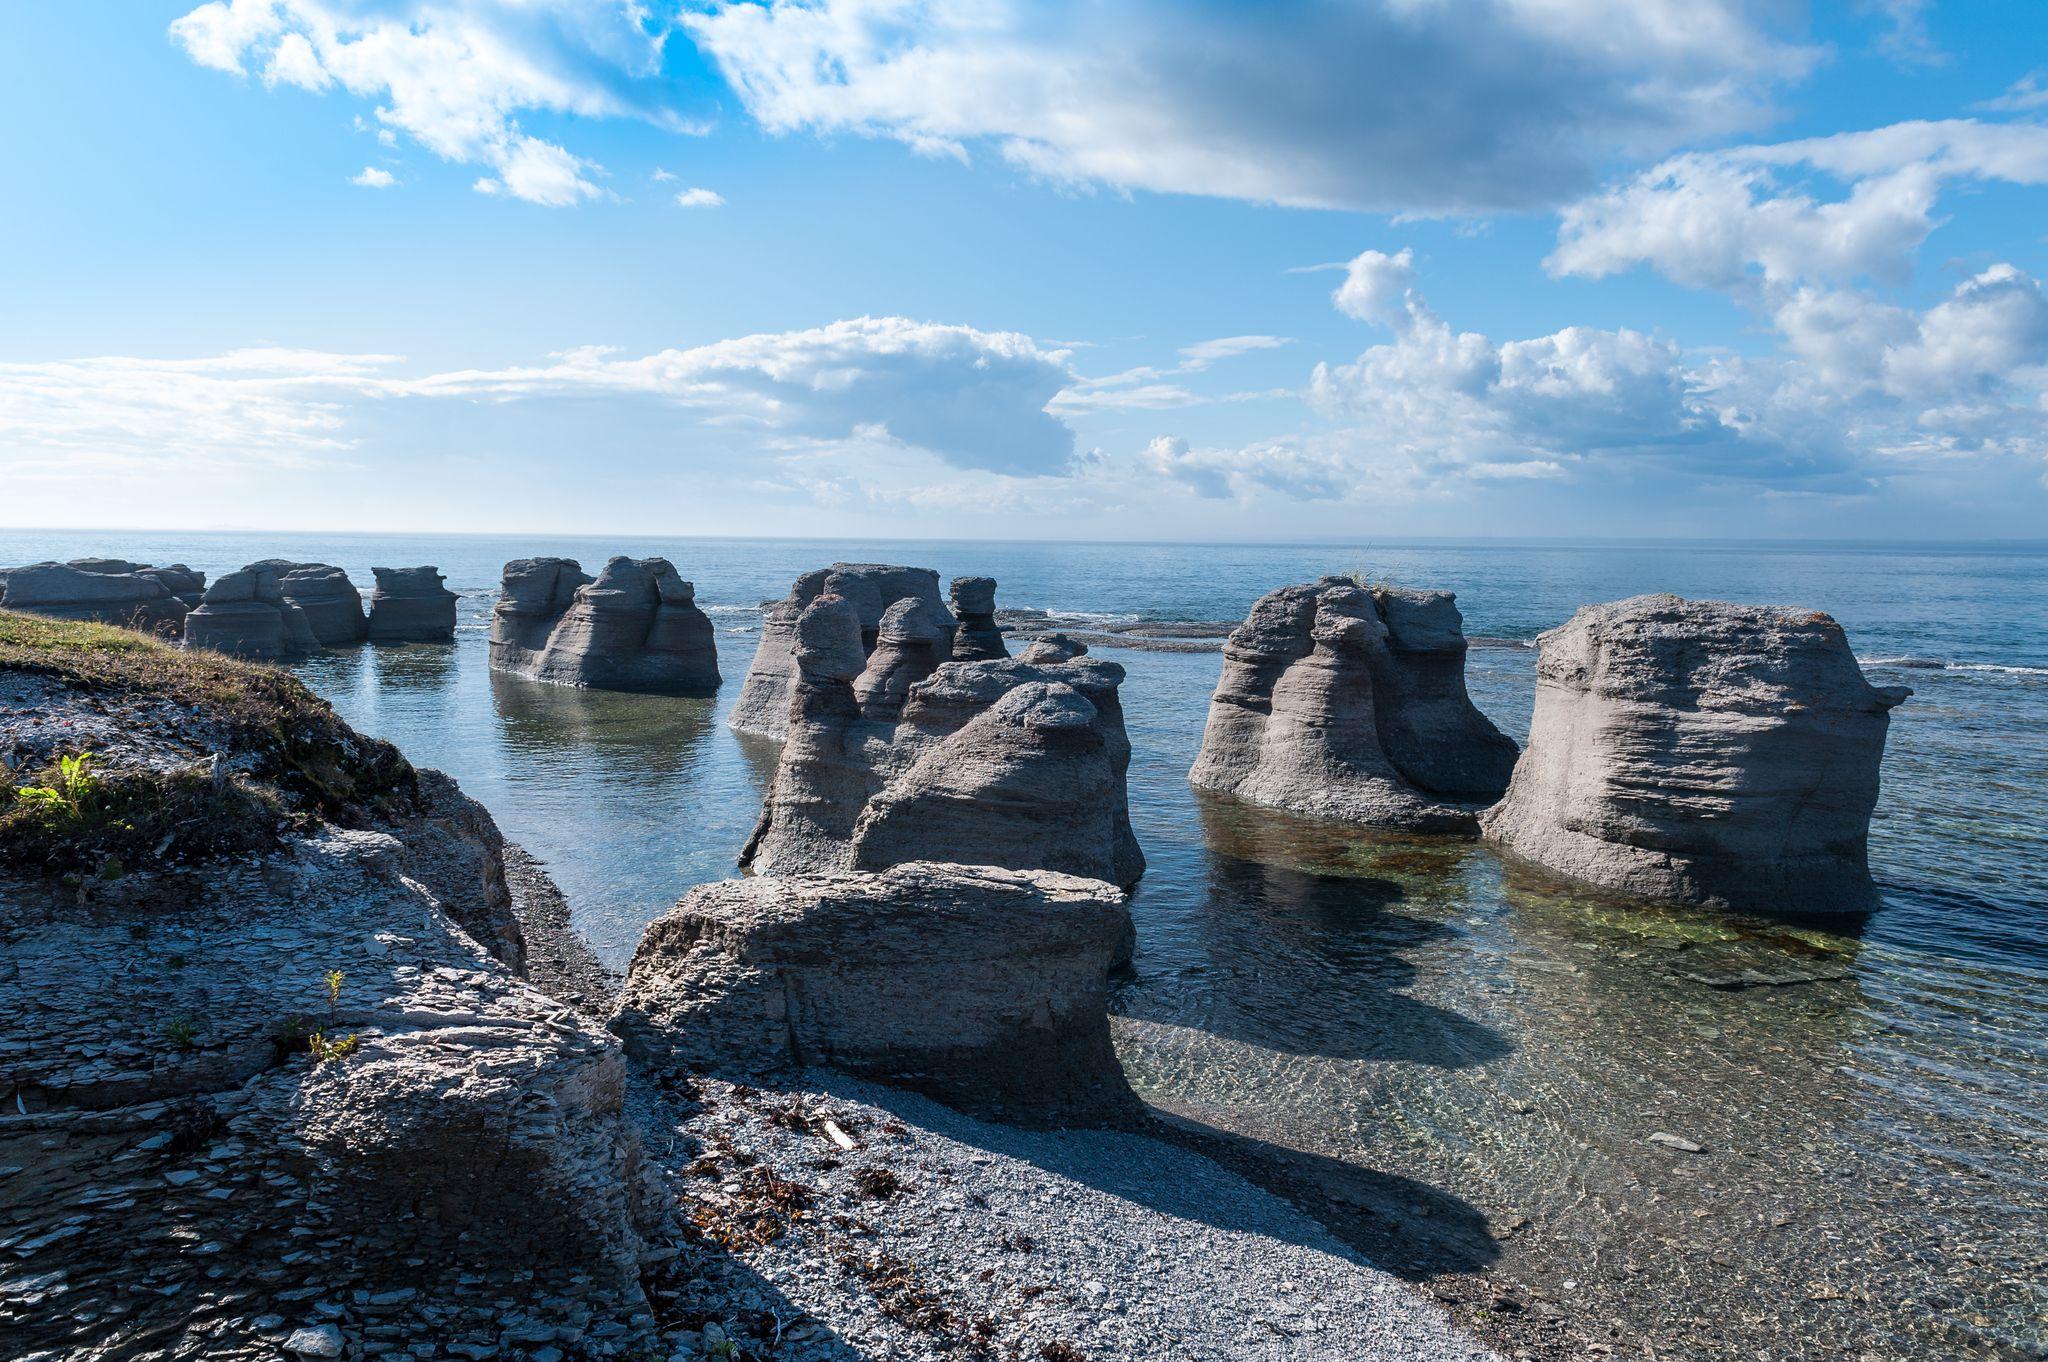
{"points": [[132, 819]]}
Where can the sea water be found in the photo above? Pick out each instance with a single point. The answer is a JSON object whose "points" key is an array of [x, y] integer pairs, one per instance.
{"points": [[1467, 1058]]}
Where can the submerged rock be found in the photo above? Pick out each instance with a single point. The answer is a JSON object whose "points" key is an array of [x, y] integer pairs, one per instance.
{"points": [[974, 602], [135, 597], [869, 589], [979, 986], [332, 604], [636, 628], [1713, 754], [1009, 763], [1347, 703], [410, 605], [245, 614]]}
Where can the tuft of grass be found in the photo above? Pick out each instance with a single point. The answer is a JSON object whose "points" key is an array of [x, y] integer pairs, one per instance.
{"points": [[333, 981], [180, 1032], [325, 1051], [129, 818]]}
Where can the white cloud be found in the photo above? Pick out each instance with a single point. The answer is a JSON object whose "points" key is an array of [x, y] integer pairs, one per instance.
{"points": [[455, 75], [661, 176], [700, 198], [1458, 105], [975, 400], [2028, 93], [374, 178]]}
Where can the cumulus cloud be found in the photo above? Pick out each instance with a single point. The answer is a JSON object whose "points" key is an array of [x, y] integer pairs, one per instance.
{"points": [[700, 198], [374, 178], [455, 75], [975, 400], [1380, 105]]}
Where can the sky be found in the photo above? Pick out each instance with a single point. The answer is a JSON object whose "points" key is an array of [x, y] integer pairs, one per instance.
{"points": [[1292, 270]]}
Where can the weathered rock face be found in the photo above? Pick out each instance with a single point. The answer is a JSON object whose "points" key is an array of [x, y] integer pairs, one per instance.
{"points": [[1349, 704], [137, 598], [410, 605], [982, 987], [1008, 763], [974, 602], [333, 606], [636, 628], [245, 614], [869, 589], [1715, 754]]}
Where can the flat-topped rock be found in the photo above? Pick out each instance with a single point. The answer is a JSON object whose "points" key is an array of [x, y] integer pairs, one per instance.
{"points": [[411, 605], [982, 987], [1347, 703], [869, 589], [1005, 762], [245, 614], [974, 604], [136, 598], [1702, 752], [332, 604], [635, 628]]}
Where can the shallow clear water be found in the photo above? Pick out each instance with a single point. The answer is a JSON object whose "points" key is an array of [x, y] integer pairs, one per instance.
{"points": [[1473, 1054]]}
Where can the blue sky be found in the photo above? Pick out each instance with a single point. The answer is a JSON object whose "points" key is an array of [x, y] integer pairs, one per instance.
{"points": [[1204, 271]]}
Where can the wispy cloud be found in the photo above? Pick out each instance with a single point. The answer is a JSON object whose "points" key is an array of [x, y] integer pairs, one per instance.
{"points": [[700, 198]]}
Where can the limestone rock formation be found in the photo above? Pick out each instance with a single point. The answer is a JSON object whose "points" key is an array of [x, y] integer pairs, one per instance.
{"points": [[332, 604], [410, 605], [245, 614], [135, 597], [1715, 754], [1008, 762], [982, 987], [1349, 704], [870, 589], [974, 602], [636, 628]]}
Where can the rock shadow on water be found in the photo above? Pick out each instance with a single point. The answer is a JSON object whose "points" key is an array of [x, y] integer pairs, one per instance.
{"points": [[419, 667], [641, 740]]}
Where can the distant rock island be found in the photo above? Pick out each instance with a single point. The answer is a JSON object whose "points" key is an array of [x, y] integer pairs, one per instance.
{"points": [[108, 590], [411, 605], [635, 628]]}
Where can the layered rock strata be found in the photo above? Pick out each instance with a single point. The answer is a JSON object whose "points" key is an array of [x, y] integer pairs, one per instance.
{"points": [[332, 604], [1018, 762], [245, 614], [982, 987], [134, 596], [974, 603], [410, 605], [636, 628], [1712, 754], [869, 589], [1349, 704]]}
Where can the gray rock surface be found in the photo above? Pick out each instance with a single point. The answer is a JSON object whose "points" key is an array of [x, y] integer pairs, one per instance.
{"points": [[636, 628], [869, 589], [1010, 762], [1349, 704], [1714, 754], [410, 605], [331, 603], [981, 986], [245, 614], [137, 599], [974, 603]]}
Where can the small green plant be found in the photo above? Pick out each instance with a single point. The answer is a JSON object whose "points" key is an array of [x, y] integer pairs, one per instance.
{"points": [[180, 1032], [333, 981], [325, 1051], [65, 797]]}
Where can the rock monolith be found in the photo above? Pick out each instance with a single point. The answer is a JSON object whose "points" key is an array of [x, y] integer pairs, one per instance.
{"points": [[1348, 703], [982, 987], [1712, 754], [135, 597], [636, 628], [245, 614], [974, 603], [331, 602], [410, 605], [869, 589]]}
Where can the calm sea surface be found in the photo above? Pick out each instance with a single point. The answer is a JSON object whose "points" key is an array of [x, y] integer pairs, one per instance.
{"points": [[1471, 1056]]}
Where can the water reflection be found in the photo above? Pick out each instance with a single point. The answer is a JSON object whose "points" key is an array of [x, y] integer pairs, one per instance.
{"points": [[633, 743], [422, 668]]}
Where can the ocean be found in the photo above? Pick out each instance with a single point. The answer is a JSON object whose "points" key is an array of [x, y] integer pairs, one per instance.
{"points": [[1467, 1059]]}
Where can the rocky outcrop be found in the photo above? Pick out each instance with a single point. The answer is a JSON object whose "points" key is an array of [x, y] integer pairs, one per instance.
{"points": [[869, 589], [1014, 763], [245, 614], [982, 987], [410, 605], [332, 604], [1713, 754], [1349, 704], [974, 603], [136, 597], [636, 628]]}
